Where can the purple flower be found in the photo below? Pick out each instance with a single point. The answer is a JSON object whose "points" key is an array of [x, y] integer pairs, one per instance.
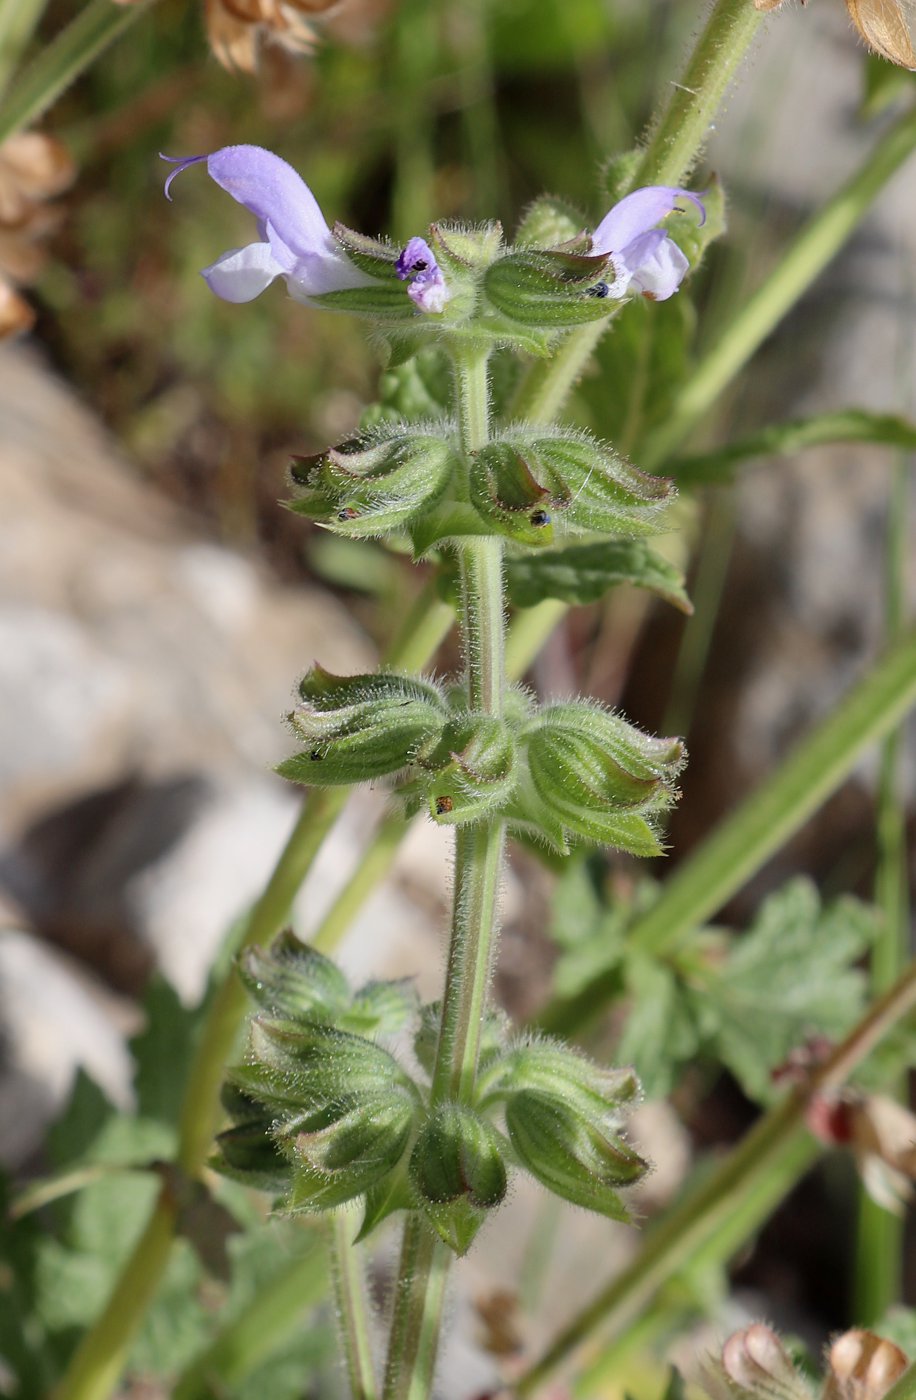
{"points": [[418, 266], [644, 256], [295, 241]]}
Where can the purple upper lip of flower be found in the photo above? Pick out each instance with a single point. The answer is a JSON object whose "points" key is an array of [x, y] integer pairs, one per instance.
{"points": [[642, 254], [295, 241]]}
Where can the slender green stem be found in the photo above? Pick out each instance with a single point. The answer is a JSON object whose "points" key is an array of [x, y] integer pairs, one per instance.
{"points": [[747, 837], [708, 1208], [18, 21], [374, 864], [478, 866], [879, 1246], [62, 61], [905, 1388], [200, 1109], [679, 134], [352, 1314], [96, 1368], [803, 262]]}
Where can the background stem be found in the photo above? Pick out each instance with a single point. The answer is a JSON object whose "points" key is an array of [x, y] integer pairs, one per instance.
{"points": [[352, 1314], [707, 1209], [62, 61]]}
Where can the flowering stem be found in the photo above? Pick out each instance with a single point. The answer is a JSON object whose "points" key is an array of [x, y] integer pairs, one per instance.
{"points": [[62, 61], [676, 140], [479, 847], [673, 1242], [352, 1316]]}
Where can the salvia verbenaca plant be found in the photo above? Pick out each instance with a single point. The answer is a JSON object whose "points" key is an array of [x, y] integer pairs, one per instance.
{"points": [[327, 1110]]}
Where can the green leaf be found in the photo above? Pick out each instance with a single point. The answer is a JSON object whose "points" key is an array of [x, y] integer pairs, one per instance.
{"points": [[790, 976], [163, 1052], [849, 425], [661, 1030], [585, 573], [647, 354]]}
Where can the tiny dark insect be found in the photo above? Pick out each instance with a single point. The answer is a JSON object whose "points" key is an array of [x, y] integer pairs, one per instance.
{"points": [[420, 265], [443, 805], [600, 289], [348, 513], [316, 755], [539, 517]]}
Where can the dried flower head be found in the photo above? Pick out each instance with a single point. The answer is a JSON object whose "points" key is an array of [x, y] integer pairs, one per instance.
{"points": [[239, 29], [887, 26], [881, 1135], [862, 1366], [33, 169], [754, 1365]]}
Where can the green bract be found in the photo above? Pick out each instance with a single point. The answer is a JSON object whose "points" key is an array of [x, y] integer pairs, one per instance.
{"points": [[347, 1146], [550, 290], [457, 1173], [592, 775], [575, 1154], [361, 727], [475, 768], [524, 484], [371, 484]]}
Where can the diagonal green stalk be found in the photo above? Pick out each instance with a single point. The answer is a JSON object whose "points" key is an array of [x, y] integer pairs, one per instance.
{"points": [[352, 1308], [879, 1244], [64, 59], [18, 21], [693, 1224], [748, 836], [101, 1355], [479, 853]]}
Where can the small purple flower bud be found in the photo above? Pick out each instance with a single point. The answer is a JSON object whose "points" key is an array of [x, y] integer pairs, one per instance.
{"points": [[418, 265]]}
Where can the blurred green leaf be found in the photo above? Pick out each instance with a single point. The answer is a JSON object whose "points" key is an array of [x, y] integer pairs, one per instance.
{"points": [[849, 425], [585, 573], [789, 977]]}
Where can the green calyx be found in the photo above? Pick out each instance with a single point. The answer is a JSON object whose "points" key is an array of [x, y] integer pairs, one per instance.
{"points": [[347, 1146], [357, 728], [474, 766], [457, 1173], [576, 1154], [374, 483], [589, 774]]}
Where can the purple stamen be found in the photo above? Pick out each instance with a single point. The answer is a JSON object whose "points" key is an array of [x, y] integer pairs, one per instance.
{"points": [[180, 163]]}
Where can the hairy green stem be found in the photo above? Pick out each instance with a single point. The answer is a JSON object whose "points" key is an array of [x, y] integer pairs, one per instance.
{"points": [[417, 1313], [479, 851], [677, 137], [352, 1314], [747, 837], [905, 1387], [707, 1209], [62, 61]]}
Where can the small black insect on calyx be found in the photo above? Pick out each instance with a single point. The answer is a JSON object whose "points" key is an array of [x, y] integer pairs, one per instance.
{"points": [[443, 806], [600, 290], [539, 517]]}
